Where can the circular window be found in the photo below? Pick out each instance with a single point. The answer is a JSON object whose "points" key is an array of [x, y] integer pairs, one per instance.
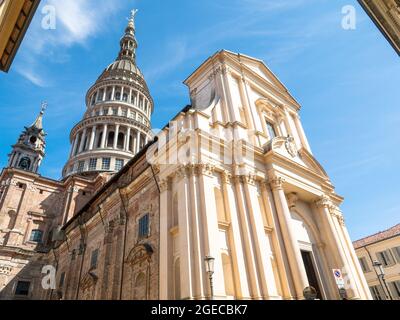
{"points": [[33, 139]]}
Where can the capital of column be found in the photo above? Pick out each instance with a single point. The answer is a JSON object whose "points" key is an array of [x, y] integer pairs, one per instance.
{"points": [[249, 179], [276, 183], [206, 169], [226, 177], [324, 202], [163, 185], [182, 172]]}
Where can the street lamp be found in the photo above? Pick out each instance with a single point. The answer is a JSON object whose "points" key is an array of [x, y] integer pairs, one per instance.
{"points": [[381, 276], [210, 271]]}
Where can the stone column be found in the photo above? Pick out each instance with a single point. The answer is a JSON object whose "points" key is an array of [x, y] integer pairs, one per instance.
{"points": [[325, 207], [266, 277], [293, 129], [300, 129], [354, 259], [276, 238], [104, 137], [116, 133], [138, 135], [239, 264], [200, 279], [292, 248], [130, 96], [211, 230], [122, 93], [113, 93], [82, 144], [127, 139], [185, 243], [92, 138], [234, 112], [105, 94], [245, 231], [166, 256], [74, 146], [246, 101]]}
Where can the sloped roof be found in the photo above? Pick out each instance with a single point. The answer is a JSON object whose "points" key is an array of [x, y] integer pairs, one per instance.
{"points": [[380, 236]]}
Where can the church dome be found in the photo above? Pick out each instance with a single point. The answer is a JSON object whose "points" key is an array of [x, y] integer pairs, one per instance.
{"points": [[121, 69]]}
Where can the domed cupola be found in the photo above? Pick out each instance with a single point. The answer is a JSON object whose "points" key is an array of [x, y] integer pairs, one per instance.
{"points": [[116, 124]]}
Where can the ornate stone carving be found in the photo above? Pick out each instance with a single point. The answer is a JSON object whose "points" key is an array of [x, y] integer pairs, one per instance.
{"points": [[276, 182], [226, 177], [291, 146], [249, 179], [324, 202], [31, 187], [292, 199], [206, 169], [139, 253], [163, 185]]}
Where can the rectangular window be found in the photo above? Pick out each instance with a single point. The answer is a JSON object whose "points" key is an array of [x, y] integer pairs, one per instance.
{"points": [[93, 260], [395, 289], [81, 166], [119, 163], [132, 115], [62, 279], [396, 252], [106, 163], [386, 258], [376, 294], [271, 130], [124, 112], [364, 265], [144, 226], [36, 236], [22, 288], [115, 111], [92, 164]]}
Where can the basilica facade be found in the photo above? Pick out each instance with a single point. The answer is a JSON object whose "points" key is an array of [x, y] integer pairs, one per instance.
{"points": [[232, 177]]}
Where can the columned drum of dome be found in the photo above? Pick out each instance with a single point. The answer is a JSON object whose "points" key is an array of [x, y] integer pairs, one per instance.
{"points": [[116, 124]]}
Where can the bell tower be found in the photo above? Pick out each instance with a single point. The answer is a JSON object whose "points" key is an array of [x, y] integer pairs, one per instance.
{"points": [[29, 151]]}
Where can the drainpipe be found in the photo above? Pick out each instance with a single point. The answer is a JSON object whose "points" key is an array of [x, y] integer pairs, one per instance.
{"points": [[83, 244], [159, 222], [123, 245]]}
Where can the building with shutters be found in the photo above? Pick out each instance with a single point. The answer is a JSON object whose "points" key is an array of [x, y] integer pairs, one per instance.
{"points": [[383, 247]]}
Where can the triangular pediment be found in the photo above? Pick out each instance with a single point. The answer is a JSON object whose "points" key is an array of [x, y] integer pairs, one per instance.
{"points": [[259, 69]]}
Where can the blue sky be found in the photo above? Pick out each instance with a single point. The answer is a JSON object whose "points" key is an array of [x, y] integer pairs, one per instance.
{"points": [[347, 81]]}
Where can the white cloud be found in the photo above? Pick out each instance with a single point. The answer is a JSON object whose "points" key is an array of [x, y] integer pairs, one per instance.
{"points": [[76, 22], [32, 77]]}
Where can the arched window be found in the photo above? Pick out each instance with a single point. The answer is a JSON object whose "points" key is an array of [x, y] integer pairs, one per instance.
{"points": [[100, 137], [110, 140], [271, 130], [125, 97], [121, 138], [36, 236], [118, 96], [228, 275], [177, 279], [220, 206], [25, 163], [140, 287]]}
